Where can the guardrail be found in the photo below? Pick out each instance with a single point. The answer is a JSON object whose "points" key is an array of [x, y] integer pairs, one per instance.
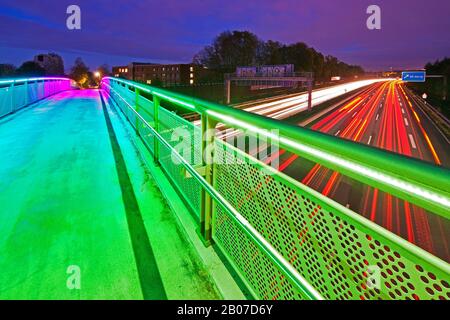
{"points": [[285, 240], [16, 94]]}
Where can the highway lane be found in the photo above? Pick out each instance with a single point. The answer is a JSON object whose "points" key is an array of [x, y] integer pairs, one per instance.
{"points": [[286, 107], [383, 116]]}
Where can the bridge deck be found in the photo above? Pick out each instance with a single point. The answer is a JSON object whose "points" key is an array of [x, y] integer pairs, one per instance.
{"points": [[74, 192]]}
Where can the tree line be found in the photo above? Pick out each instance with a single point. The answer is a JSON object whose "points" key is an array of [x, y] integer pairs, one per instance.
{"points": [[434, 87], [242, 48], [53, 65]]}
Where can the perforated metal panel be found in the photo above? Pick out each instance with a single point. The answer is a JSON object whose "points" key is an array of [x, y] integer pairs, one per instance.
{"points": [[33, 91], [261, 276], [169, 122], [40, 90], [325, 242], [5, 101], [145, 110], [20, 97]]}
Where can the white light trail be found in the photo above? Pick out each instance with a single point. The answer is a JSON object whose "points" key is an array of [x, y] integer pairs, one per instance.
{"points": [[287, 107]]}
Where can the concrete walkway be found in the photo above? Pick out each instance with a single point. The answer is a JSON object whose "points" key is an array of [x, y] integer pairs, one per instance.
{"points": [[80, 218]]}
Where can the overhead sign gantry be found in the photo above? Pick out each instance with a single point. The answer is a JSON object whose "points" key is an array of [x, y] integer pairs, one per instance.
{"points": [[274, 75]]}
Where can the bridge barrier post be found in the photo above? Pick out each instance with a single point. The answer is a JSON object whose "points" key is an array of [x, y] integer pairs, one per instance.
{"points": [[26, 93], [444, 96], [228, 91], [207, 154], [12, 96], [156, 103], [310, 85], [136, 106]]}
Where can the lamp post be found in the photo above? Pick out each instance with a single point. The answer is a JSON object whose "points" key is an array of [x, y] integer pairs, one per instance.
{"points": [[98, 76]]}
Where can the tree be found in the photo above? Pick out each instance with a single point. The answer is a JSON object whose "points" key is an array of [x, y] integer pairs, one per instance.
{"points": [[7, 70], [52, 63], [319, 65], [435, 86], [104, 70], [80, 73], [271, 53], [30, 69], [242, 48], [229, 50]]}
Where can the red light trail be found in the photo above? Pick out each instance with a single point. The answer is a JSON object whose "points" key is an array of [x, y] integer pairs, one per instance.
{"points": [[384, 117]]}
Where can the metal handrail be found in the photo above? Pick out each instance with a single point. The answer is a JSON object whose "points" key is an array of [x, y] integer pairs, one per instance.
{"points": [[20, 80], [413, 180]]}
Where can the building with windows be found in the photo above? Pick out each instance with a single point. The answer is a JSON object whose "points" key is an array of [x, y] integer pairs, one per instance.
{"points": [[160, 74], [120, 72]]}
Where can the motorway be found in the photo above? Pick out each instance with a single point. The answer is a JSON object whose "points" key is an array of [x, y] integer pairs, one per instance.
{"points": [[291, 105], [387, 116]]}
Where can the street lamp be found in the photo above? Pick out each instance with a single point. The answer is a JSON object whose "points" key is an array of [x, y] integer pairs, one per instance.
{"points": [[97, 74]]}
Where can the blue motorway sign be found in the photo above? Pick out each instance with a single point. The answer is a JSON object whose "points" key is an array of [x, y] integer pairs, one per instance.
{"points": [[414, 76]]}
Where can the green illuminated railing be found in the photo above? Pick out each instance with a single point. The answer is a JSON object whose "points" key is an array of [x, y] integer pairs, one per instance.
{"points": [[18, 93], [286, 240]]}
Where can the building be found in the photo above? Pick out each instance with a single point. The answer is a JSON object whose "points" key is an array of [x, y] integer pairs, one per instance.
{"points": [[160, 74], [120, 72]]}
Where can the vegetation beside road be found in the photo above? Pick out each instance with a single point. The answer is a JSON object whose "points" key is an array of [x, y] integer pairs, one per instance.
{"points": [[434, 87], [231, 49]]}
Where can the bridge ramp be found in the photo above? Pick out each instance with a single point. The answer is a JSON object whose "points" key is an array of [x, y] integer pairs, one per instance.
{"points": [[76, 200]]}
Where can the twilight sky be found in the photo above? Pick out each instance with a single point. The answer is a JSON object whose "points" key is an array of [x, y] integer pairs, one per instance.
{"points": [[119, 31]]}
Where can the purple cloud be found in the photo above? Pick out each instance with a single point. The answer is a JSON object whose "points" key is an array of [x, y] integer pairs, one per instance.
{"points": [[413, 32]]}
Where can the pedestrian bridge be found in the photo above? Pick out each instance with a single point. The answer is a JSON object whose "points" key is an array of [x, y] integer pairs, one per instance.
{"points": [[98, 201]]}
